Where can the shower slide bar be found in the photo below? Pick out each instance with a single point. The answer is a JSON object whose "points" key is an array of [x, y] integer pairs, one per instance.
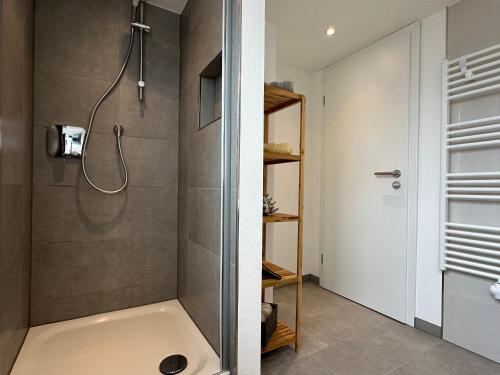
{"points": [[470, 248]]}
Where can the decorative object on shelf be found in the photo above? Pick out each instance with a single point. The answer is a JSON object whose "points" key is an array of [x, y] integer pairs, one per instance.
{"points": [[267, 273], [269, 322], [278, 148], [285, 85], [268, 205]]}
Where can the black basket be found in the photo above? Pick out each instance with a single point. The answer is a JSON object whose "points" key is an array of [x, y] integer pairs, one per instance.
{"points": [[268, 327]]}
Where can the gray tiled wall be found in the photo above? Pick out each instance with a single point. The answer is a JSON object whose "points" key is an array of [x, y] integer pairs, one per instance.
{"points": [[199, 173], [94, 252], [469, 311], [16, 112]]}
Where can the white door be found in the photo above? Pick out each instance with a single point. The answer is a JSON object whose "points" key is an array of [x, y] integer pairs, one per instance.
{"points": [[365, 217]]}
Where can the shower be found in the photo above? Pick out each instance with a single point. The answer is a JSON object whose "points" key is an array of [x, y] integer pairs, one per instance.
{"points": [[137, 22]]}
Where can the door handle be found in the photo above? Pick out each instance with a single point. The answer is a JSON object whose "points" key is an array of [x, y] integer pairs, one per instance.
{"points": [[395, 173]]}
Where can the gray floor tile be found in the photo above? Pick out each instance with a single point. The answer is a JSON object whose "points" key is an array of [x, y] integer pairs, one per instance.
{"points": [[340, 337]]}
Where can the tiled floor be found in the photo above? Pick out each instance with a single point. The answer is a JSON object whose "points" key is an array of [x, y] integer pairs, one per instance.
{"points": [[341, 337]]}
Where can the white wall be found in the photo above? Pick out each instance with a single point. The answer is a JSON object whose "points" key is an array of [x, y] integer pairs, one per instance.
{"points": [[429, 277], [270, 53], [283, 179], [250, 190]]}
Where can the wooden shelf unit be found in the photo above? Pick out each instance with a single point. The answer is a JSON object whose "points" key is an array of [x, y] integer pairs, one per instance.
{"points": [[276, 99]]}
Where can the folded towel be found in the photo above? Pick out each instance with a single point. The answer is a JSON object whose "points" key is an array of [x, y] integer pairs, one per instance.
{"points": [[278, 148], [266, 311], [267, 273]]}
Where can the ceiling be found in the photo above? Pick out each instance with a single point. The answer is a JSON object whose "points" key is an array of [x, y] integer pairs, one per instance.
{"points": [[173, 5], [301, 25]]}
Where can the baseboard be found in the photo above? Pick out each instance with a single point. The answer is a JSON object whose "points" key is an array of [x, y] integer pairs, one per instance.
{"points": [[310, 278], [429, 328]]}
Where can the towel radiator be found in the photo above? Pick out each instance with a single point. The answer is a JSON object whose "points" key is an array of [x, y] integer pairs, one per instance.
{"points": [[472, 248]]}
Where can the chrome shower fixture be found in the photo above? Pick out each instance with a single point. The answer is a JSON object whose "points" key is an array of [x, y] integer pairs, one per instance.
{"points": [[137, 12], [139, 24]]}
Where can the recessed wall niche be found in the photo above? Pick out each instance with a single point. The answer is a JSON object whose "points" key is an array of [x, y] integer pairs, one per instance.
{"points": [[210, 93]]}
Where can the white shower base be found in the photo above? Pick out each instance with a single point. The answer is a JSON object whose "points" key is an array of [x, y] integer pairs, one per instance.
{"points": [[126, 342]]}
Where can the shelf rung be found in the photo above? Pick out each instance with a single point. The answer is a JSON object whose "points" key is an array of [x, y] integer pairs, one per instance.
{"points": [[275, 158], [281, 337], [280, 218]]}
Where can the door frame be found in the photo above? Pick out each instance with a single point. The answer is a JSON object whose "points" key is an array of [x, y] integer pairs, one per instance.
{"points": [[413, 152]]}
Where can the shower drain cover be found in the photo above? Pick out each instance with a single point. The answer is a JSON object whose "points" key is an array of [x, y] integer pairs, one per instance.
{"points": [[173, 364]]}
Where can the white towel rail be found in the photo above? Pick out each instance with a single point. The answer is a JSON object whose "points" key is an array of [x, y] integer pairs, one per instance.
{"points": [[473, 234], [473, 182], [471, 197], [472, 123], [475, 130], [484, 175], [473, 257], [472, 248], [473, 227], [473, 242], [476, 69]]}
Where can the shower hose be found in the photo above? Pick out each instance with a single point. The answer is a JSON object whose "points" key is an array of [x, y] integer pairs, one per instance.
{"points": [[117, 129]]}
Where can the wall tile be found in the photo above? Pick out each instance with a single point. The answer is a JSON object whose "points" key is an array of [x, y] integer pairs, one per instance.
{"points": [[15, 144], [84, 14], [156, 117], [131, 272], [75, 49], [67, 269], [190, 100], [165, 26], [13, 64], [154, 162], [183, 215], [15, 226], [62, 213], [150, 162], [199, 173], [148, 212], [43, 310], [204, 218], [161, 64], [94, 252], [67, 99], [16, 90], [205, 160]]}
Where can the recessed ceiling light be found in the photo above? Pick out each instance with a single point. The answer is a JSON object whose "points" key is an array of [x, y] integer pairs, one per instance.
{"points": [[330, 31]]}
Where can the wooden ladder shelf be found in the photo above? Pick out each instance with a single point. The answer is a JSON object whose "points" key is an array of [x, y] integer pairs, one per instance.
{"points": [[276, 99]]}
